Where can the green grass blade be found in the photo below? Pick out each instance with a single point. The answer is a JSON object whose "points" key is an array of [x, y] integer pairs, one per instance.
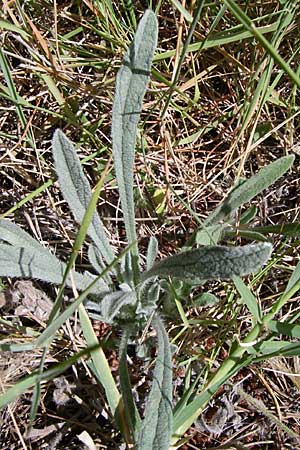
{"points": [[27, 198], [100, 365], [234, 34], [293, 279], [271, 349], [292, 288], [182, 10], [248, 298], [11, 87], [196, 18], [14, 96], [28, 382], [249, 25], [286, 229], [5, 25], [55, 324], [14, 348]]}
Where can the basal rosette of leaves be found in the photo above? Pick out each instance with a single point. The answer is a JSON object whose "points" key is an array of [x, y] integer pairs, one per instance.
{"points": [[125, 293]]}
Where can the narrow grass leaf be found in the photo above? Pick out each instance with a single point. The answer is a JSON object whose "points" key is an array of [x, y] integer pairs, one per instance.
{"points": [[211, 263], [28, 382], [292, 288], [248, 298], [11, 86], [233, 34], [27, 198], [250, 188], [269, 349], [77, 192], [157, 425], [100, 365], [182, 10], [249, 26], [14, 348], [8, 26], [248, 234], [294, 279], [175, 77], [248, 215], [286, 229], [131, 84]]}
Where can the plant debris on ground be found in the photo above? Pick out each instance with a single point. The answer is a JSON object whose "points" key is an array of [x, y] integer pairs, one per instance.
{"points": [[233, 110]]}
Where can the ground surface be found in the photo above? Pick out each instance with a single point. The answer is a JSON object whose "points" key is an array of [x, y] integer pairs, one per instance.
{"points": [[232, 112]]}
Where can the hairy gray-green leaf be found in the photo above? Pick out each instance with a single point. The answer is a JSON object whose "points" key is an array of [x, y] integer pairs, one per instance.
{"points": [[131, 83], [211, 263], [95, 259], [77, 191], [148, 298], [156, 428], [205, 299], [15, 235], [127, 269], [250, 188], [94, 309], [22, 262], [151, 252], [131, 412], [113, 303], [210, 235]]}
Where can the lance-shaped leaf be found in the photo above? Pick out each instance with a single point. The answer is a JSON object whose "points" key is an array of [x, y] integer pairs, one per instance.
{"points": [[15, 235], [113, 303], [77, 191], [148, 298], [95, 259], [22, 262], [131, 83], [131, 412], [156, 428], [211, 263], [210, 235], [248, 189], [152, 251]]}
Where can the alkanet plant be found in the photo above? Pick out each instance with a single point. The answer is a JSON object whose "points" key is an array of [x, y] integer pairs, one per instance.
{"points": [[125, 293]]}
